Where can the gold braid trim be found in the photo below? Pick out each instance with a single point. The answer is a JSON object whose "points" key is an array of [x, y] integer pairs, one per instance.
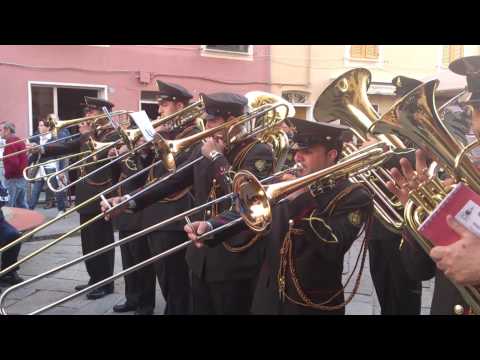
{"points": [[287, 261], [243, 247], [236, 165], [333, 203]]}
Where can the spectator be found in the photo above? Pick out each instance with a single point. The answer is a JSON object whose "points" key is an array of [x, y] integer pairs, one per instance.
{"points": [[14, 165], [8, 234], [47, 169]]}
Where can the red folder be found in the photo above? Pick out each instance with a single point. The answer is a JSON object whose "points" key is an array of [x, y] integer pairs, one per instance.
{"points": [[464, 205]]}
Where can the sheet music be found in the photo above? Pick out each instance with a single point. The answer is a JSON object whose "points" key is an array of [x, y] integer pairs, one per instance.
{"points": [[144, 124]]}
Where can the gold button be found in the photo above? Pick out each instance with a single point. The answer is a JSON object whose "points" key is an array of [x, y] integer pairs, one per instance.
{"points": [[458, 310]]}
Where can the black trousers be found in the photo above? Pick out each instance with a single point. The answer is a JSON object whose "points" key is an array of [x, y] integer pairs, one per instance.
{"points": [[95, 236], [140, 284], [233, 297], [397, 293], [8, 234], [172, 271]]}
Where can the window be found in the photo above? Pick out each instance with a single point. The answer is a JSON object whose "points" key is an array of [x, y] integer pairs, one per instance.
{"points": [[242, 49], [149, 103], [364, 52], [61, 99], [451, 53]]}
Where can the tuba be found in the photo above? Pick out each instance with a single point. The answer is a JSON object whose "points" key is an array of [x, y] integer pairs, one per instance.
{"points": [[415, 117]]}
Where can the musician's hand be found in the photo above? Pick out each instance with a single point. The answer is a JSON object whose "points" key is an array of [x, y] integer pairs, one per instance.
{"points": [[33, 148], [111, 203], [62, 178], [212, 144], [84, 128], [195, 229], [164, 128], [408, 179], [460, 260]]}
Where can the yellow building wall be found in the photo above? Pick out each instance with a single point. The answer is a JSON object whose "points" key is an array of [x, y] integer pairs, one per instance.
{"points": [[312, 67]]}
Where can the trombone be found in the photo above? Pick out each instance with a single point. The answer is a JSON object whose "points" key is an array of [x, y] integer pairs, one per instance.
{"points": [[55, 125], [30, 168], [253, 199], [168, 149], [129, 138], [415, 117]]}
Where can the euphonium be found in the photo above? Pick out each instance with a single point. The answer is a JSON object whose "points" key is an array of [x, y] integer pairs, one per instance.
{"points": [[346, 99], [415, 117]]}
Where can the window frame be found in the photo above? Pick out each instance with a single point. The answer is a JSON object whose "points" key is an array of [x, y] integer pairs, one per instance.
{"points": [[103, 93], [205, 51]]}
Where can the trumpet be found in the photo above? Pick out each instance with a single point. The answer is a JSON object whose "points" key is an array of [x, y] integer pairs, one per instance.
{"points": [[346, 99], [415, 117]]}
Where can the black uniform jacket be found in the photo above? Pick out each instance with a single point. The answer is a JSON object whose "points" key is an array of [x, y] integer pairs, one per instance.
{"points": [[237, 259], [94, 184], [420, 266], [311, 253], [177, 202], [131, 221]]}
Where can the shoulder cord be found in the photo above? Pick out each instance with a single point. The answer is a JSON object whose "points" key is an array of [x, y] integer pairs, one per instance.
{"points": [[286, 259]]}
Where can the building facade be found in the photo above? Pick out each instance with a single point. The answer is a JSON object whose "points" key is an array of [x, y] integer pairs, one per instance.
{"points": [[302, 72], [42, 79]]}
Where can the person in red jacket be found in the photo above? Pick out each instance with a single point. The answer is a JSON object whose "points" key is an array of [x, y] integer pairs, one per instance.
{"points": [[14, 166]]}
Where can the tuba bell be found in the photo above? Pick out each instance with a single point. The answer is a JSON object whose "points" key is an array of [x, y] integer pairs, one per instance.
{"points": [[346, 99]]}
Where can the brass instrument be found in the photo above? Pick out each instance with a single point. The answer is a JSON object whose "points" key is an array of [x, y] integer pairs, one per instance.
{"points": [[255, 200], [249, 193], [346, 99], [415, 117], [118, 243], [275, 137], [191, 113], [31, 168], [168, 150], [129, 137], [231, 128]]}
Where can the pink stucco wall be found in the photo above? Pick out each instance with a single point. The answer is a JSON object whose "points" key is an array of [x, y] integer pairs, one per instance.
{"points": [[119, 67]]}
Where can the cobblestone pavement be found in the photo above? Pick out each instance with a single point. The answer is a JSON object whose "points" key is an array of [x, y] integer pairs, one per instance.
{"points": [[61, 284]]}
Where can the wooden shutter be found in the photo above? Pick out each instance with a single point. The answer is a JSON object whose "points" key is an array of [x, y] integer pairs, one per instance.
{"points": [[371, 51], [364, 51], [357, 51], [451, 53], [456, 51]]}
